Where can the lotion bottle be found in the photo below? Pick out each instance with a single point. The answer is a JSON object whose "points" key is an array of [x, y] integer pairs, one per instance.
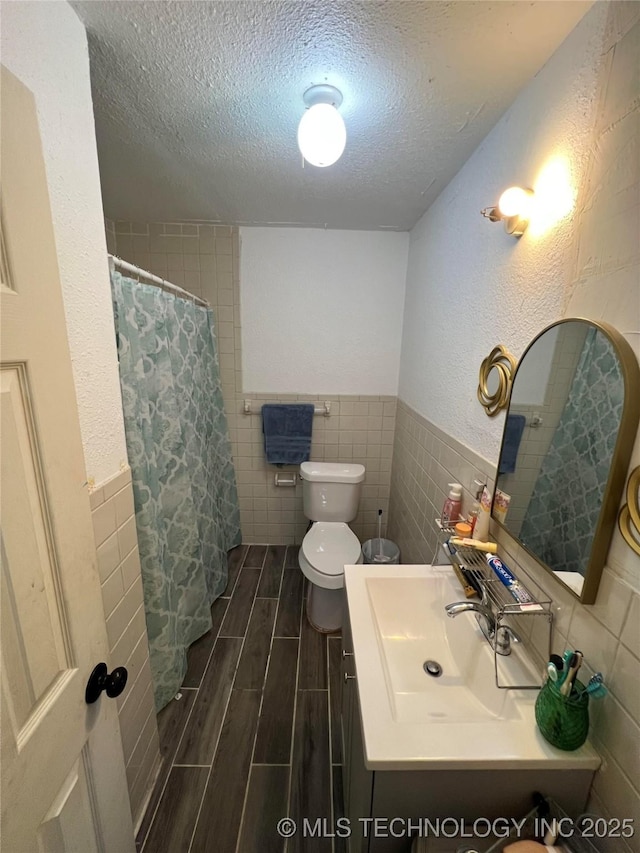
{"points": [[452, 505], [472, 518], [481, 527]]}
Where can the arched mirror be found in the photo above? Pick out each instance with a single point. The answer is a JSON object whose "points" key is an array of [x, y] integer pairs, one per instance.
{"points": [[569, 431]]}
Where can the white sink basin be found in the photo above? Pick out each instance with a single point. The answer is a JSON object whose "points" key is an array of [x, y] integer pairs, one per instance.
{"points": [[412, 627], [461, 719]]}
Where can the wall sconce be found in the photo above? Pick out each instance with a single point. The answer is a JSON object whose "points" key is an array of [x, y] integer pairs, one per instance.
{"points": [[514, 208], [321, 132]]}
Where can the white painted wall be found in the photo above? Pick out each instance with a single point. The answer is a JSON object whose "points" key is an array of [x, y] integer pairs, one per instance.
{"points": [[321, 310], [533, 373], [470, 285], [45, 46]]}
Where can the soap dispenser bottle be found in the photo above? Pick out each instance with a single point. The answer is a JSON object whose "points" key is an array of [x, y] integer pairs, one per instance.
{"points": [[475, 509], [452, 505]]}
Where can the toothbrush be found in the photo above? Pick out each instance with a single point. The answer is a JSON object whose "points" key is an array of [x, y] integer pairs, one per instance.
{"points": [[557, 661], [565, 666], [574, 666], [465, 542], [552, 671], [596, 690], [554, 667]]}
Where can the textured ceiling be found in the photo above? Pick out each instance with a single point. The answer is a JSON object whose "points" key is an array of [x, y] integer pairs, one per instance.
{"points": [[197, 103]]}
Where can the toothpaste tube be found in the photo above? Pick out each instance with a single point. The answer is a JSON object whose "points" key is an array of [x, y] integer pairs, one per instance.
{"points": [[514, 586]]}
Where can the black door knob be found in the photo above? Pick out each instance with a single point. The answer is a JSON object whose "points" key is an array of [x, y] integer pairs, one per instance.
{"points": [[113, 684]]}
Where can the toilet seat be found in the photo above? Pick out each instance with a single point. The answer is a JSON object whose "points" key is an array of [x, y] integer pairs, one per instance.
{"points": [[326, 549]]}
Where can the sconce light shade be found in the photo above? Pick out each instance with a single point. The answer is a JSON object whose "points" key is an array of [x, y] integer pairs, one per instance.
{"points": [[322, 134], [514, 208]]}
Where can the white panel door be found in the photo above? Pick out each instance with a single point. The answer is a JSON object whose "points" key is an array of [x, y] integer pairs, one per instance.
{"points": [[63, 780]]}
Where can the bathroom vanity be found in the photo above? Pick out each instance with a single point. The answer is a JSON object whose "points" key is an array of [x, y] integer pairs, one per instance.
{"points": [[428, 746]]}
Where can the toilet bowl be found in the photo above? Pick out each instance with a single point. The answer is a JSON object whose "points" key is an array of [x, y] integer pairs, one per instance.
{"points": [[327, 548], [331, 492]]}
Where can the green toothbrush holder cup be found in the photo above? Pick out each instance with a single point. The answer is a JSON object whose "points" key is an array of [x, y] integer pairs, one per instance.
{"points": [[563, 720]]}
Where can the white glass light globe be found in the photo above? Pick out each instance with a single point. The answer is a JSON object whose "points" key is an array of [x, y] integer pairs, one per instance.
{"points": [[515, 202], [322, 135]]}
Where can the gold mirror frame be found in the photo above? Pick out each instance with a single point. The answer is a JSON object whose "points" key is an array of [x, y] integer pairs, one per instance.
{"points": [[629, 517], [504, 363], [619, 463]]}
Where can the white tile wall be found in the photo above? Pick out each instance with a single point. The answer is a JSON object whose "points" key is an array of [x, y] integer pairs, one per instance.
{"points": [[204, 259], [425, 459], [110, 230], [359, 430], [119, 567]]}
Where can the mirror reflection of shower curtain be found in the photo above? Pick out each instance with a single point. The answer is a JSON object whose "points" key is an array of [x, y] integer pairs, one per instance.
{"points": [[565, 504], [186, 502]]}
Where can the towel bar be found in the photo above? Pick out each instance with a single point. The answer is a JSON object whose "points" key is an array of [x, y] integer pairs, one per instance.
{"points": [[324, 409]]}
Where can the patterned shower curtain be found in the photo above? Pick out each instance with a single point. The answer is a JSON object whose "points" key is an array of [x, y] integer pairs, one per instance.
{"points": [[184, 485]]}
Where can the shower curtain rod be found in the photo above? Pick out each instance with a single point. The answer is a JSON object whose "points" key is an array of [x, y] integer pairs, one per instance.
{"points": [[154, 279]]}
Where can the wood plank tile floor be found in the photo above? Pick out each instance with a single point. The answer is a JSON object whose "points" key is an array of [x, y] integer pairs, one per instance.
{"points": [[255, 735]]}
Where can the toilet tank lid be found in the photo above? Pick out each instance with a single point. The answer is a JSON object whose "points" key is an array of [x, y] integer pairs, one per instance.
{"points": [[332, 472]]}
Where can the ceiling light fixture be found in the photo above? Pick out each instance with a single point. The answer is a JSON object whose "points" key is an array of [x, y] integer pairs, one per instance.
{"points": [[321, 132], [514, 208]]}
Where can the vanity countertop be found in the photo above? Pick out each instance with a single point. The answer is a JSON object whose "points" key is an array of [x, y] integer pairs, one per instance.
{"points": [[399, 739]]}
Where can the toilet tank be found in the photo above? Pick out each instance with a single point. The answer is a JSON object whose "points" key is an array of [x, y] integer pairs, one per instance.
{"points": [[331, 490]]}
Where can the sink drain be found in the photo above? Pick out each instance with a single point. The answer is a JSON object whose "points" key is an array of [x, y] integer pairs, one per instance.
{"points": [[432, 667]]}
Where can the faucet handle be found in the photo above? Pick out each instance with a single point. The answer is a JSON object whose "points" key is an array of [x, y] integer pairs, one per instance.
{"points": [[505, 636]]}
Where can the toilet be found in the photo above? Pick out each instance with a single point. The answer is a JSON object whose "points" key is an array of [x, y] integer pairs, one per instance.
{"points": [[330, 494]]}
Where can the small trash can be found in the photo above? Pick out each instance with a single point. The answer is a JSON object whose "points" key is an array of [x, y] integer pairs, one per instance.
{"points": [[380, 551]]}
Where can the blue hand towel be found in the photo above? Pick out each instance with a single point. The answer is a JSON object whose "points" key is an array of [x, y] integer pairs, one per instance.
{"points": [[512, 435], [287, 432]]}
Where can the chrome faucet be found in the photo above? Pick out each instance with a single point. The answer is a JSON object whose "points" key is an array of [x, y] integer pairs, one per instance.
{"points": [[500, 637], [489, 626]]}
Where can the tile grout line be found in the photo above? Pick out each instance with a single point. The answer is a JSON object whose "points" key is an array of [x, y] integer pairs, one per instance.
{"points": [[172, 763], [230, 596], [155, 811], [332, 816], [197, 689], [215, 642], [224, 716], [262, 692], [184, 730], [285, 569], [249, 569], [329, 693], [295, 709], [171, 766]]}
